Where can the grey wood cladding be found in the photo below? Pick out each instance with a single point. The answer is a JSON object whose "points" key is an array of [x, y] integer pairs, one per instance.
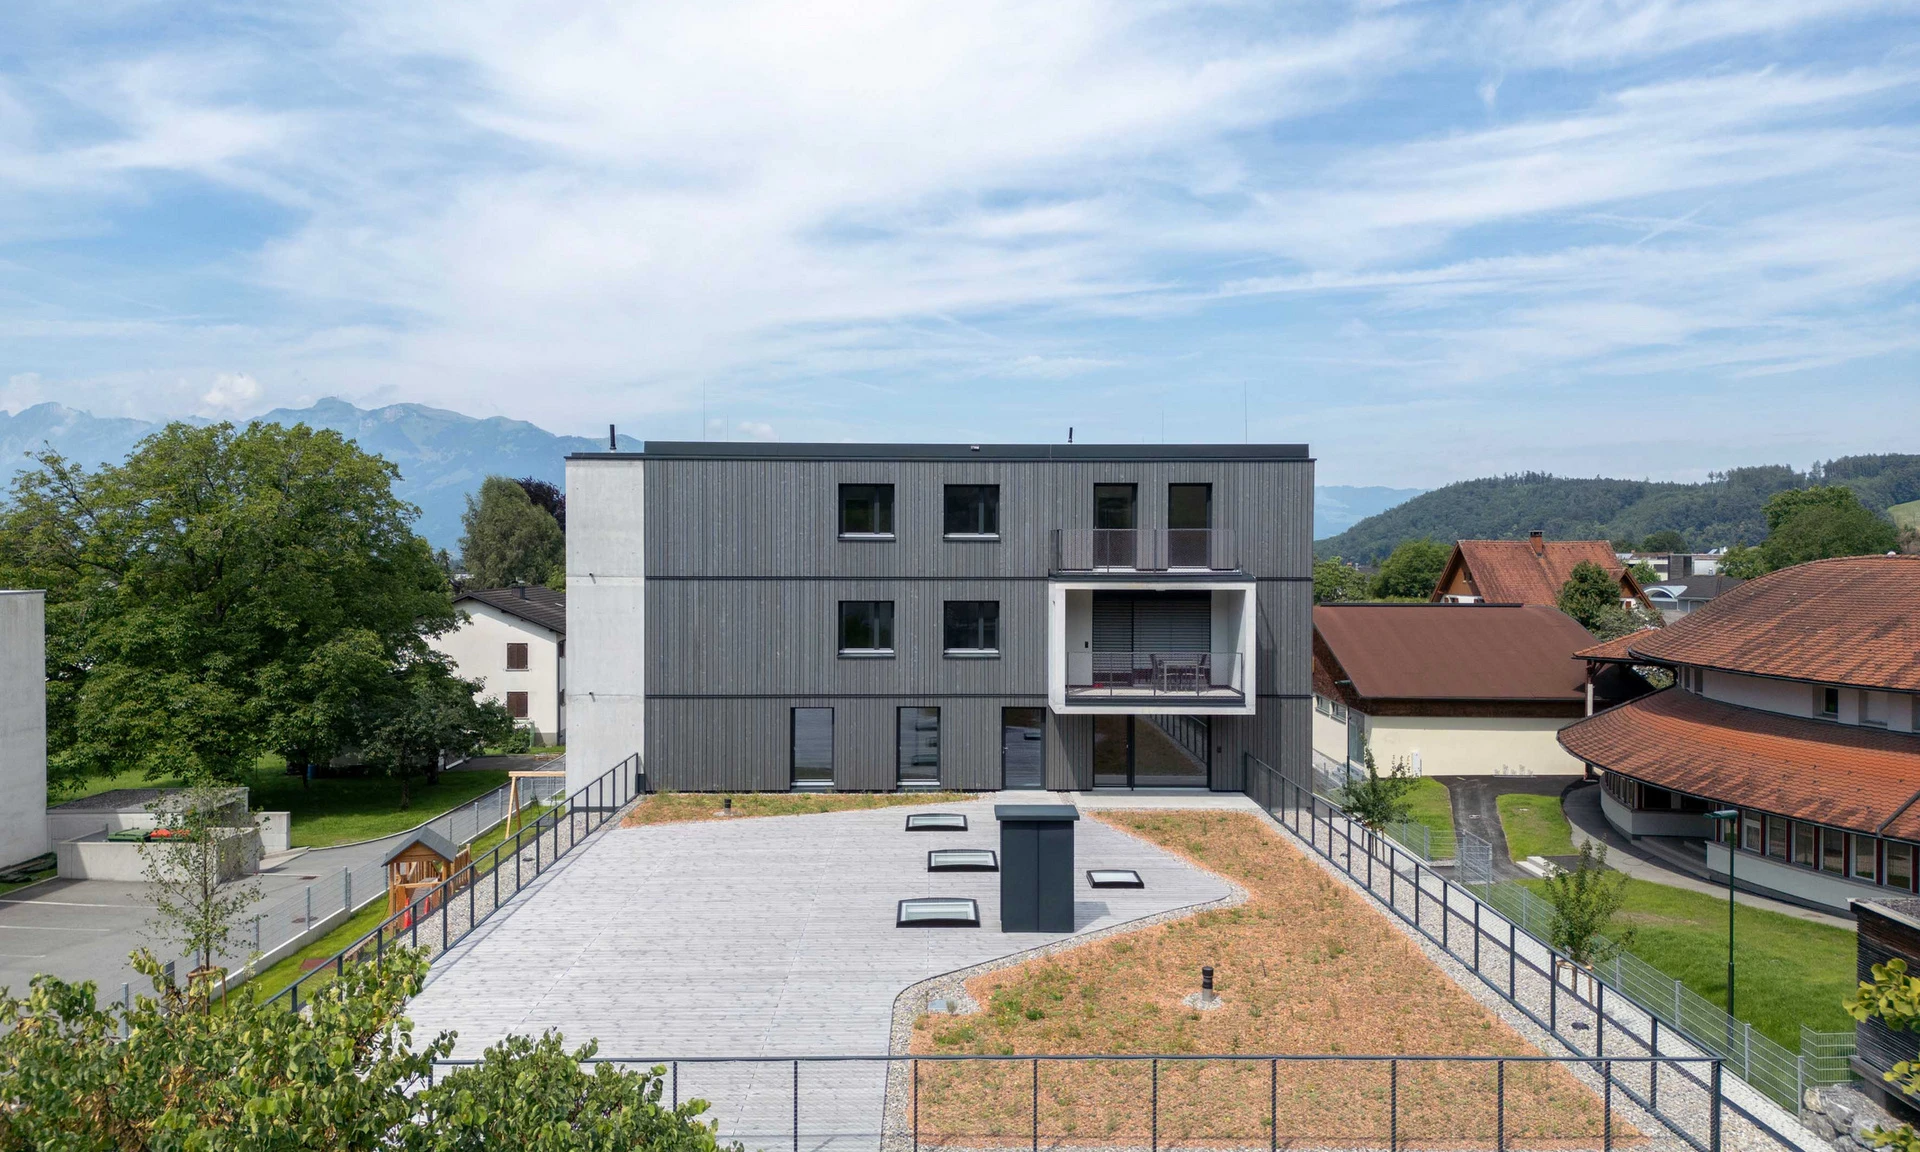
{"points": [[746, 568]]}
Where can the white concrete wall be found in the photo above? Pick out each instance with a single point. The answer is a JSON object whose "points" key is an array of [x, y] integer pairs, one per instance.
{"points": [[606, 616], [479, 649], [1329, 737], [23, 726], [1648, 823], [1794, 698], [1470, 745]]}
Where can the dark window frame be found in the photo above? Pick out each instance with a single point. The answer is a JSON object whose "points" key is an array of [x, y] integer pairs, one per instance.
{"points": [[880, 624], [901, 769], [984, 627], [879, 511], [521, 651], [983, 515]]}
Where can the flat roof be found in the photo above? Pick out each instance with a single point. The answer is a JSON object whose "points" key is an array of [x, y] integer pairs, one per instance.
{"points": [[705, 450]]}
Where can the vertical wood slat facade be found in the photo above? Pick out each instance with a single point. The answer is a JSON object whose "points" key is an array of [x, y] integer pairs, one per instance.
{"points": [[745, 571]]}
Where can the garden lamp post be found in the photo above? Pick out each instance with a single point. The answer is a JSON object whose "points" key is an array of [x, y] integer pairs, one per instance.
{"points": [[1732, 816]]}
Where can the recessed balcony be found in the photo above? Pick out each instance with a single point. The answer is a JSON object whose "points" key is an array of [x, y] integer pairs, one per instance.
{"points": [[1131, 550], [1150, 644], [1144, 677]]}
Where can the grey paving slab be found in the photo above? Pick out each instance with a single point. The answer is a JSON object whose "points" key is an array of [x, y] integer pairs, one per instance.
{"points": [[758, 937]]}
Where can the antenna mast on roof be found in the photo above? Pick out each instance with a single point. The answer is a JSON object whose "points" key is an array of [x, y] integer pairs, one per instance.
{"points": [[613, 441], [1069, 433]]}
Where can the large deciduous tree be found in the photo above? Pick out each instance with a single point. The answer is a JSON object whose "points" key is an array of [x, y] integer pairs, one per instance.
{"points": [[1591, 595], [1817, 523], [1412, 570], [1335, 581], [510, 539], [222, 593]]}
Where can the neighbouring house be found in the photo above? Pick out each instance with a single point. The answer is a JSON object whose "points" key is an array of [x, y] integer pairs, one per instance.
{"points": [[515, 639], [23, 726], [868, 617], [1671, 566], [1689, 594], [1449, 689], [1530, 571], [1796, 701]]}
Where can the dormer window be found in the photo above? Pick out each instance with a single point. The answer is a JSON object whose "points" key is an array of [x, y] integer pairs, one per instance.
{"points": [[1827, 703]]}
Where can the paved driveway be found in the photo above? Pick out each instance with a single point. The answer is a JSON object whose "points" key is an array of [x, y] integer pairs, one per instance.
{"points": [[758, 937]]}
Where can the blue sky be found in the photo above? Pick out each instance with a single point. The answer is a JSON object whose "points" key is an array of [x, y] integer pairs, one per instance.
{"points": [[1432, 240]]}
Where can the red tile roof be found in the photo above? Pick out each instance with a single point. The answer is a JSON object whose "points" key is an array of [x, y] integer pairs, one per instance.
{"points": [[1455, 651], [1857, 778], [1614, 649], [1510, 572], [1853, 620]]}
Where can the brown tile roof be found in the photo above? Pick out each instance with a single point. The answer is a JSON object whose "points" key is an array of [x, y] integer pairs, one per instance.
{"points": [[1455, 651], [541, 607], [1854, 620], [1614, 649], [1509, 572], [1857, 778]]}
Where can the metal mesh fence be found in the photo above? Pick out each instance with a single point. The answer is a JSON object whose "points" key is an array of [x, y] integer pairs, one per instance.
{"points": [[443, 917], [282, 922], [1582, 1009], [1767, 1065], [909, 1103]]}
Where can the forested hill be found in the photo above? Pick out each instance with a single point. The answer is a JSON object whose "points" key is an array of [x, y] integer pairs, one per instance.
{"points": [[1724, 510]]}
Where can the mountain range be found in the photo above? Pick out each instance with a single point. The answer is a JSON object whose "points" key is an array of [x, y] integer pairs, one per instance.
{"points": [[443, 455]]}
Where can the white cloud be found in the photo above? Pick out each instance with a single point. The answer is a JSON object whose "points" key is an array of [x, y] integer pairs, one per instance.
{"points": [[231, 392]]}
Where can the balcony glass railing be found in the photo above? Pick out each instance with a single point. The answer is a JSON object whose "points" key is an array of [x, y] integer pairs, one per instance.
{"points": [[1154, 675], [1144, 550]]}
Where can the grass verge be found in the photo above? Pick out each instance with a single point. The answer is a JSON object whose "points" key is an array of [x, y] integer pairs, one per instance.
{"points": [[273, 979], [1789, 971], [1432, 805], [675, 807], [1534, 825], [1305, 965]]}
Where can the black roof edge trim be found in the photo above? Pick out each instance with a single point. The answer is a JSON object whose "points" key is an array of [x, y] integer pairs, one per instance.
{"points": [[702, 450]]}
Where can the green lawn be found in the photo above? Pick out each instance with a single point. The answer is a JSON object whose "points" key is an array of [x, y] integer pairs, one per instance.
{"points": [[1789, 971], [273, 979], [1433, 806], [336, 811], [1534, 826], [1906, 515]]}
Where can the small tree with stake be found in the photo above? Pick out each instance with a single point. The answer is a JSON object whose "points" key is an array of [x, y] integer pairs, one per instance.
{"points": [[1378, 800], [201, 880], [1585, 900]]}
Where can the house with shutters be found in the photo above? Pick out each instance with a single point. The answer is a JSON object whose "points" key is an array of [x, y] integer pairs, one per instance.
{"points": [[1796, 702], [515, 641], [1530, 571]]}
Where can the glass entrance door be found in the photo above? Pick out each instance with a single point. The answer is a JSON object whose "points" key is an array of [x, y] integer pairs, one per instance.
{"points": [[1023, 748], [1151, 751]]}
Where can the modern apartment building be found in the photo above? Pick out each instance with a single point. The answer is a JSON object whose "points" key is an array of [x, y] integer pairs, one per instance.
{"points": [[873, 617]]}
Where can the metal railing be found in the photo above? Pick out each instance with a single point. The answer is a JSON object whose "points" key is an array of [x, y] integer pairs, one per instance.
{"points": [[1330, 778], [1762, 1062], [1577, 1006], [445, 914], [278, 925], [1144, 550], [964, 1101], [1195, 676]]}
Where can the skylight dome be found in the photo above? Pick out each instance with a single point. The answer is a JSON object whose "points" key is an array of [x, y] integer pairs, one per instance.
{"points": [[963, 860], [938, 912], [937, 822], [1114, 878]]}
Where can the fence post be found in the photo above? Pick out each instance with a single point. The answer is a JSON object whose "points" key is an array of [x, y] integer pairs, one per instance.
{"points": [[796, 1106], [1036, 1104], [1500, 1106], [1676, 1005], [309, 920], [1476, 937], [1606, 1104], [1512, 961], [1746, 1050], [1156, 1107], [346, 888], [1553, 993], [1393, 1106], [1713, 1126], [1653, 1072], [916, 1106]]}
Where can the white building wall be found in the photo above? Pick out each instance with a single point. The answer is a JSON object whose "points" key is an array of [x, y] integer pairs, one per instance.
{"points": [[1470, 745], [23, 726], [606, 616], [479, 649], [1787, 697], [1329, 736]]}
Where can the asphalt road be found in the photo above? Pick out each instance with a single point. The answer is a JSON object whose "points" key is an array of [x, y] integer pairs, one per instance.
{"points": [[1474, 810]]}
